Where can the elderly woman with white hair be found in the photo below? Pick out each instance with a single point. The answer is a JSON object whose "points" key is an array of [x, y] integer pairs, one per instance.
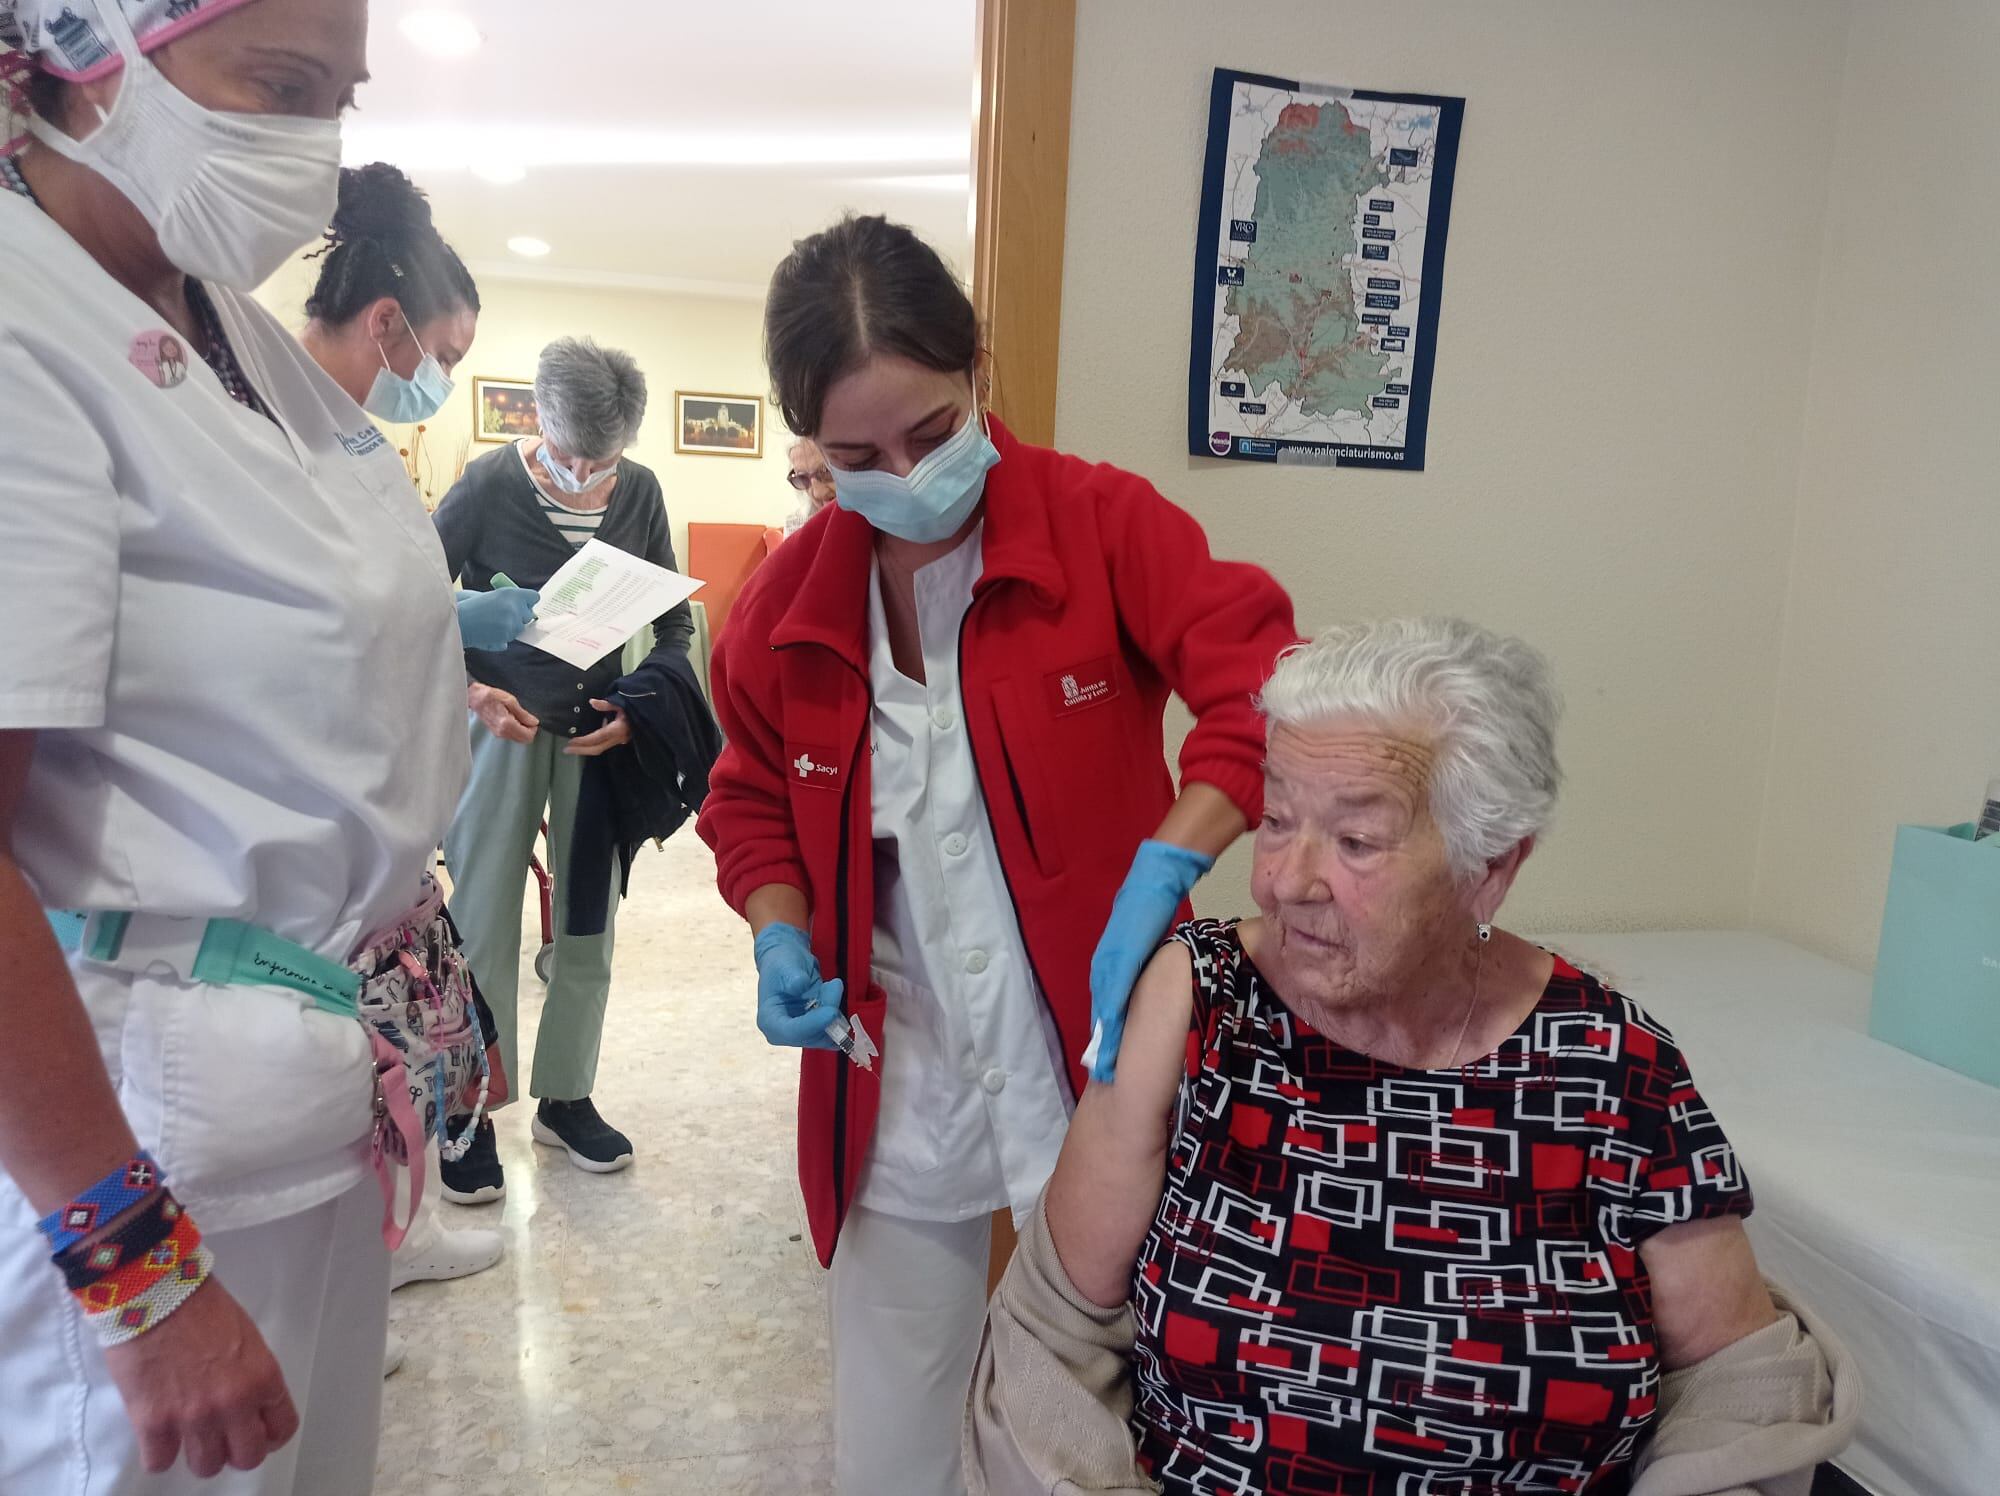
{"points": [[517, 515], [1386, 1199]]}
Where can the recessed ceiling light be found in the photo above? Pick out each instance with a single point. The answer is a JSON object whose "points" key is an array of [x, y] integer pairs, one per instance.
{"points": [[500, 173], [441, 33], [530, 248]]}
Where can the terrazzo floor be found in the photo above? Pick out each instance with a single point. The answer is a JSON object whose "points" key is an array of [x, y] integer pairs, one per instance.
{"points": [[662, 1330]]}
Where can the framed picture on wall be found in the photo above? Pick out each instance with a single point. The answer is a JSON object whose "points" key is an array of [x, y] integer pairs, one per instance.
{"points": [[719, 425], [503, 409]]}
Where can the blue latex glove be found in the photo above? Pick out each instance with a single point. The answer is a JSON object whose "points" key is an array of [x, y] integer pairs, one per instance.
{"points": [[793, 1005], [1162, 875], [493, 620]]}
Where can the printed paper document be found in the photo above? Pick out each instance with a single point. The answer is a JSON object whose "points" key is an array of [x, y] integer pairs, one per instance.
{"points": [[600, 598]]}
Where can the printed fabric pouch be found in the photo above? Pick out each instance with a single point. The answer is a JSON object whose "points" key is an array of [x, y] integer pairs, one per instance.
{"points": [[417, 1008]]}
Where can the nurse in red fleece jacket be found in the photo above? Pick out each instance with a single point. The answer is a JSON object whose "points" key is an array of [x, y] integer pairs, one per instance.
{"points": [[945, 807]]}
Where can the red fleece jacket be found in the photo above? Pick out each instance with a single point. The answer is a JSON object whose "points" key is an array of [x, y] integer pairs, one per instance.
{"points": [[1098, 598]]}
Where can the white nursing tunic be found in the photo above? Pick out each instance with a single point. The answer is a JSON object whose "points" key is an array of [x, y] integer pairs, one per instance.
{"points": [[974, 1107], [236, 642]]}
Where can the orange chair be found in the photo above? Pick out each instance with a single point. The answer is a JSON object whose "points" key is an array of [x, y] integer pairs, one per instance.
{"points": [[724, 556]]}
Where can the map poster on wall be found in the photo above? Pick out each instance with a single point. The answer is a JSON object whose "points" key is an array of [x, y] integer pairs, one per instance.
{"points": [[1319, 272]]}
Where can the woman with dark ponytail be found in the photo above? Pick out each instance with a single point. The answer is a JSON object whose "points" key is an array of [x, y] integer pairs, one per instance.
{"points": [[391, 316], [395, 308], [394, 312], [945, 807]]}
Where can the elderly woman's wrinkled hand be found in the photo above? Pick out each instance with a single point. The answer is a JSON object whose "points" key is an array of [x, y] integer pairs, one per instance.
{"points": [[615, 733], [501, 713]]}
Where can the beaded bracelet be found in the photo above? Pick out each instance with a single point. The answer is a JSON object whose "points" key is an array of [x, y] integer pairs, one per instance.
{"points": [[116, 1289], [117, 1192], [133, 1319], [129, 1238], [128, 1251]]}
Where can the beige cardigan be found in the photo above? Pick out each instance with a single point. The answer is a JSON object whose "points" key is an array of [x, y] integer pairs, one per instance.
{"points": [[1051, 1400]]}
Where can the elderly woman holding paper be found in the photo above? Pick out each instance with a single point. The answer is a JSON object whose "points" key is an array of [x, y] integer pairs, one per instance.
{"points": [[520, 513]]}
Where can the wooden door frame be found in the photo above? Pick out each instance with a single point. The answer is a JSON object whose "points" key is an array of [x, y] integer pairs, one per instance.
{"points": [[1020, 179], [1020, 201]]}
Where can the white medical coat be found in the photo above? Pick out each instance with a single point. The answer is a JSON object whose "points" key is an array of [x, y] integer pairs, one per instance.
{"points": [[236, 641], [974, 1106]]}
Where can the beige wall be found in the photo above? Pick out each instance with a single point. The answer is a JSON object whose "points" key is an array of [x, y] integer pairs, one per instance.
{"points": [[688, 343], [1889, 696], [1615, 426]]}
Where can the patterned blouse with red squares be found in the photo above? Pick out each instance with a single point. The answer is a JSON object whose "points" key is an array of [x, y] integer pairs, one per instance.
{"points": [[1365, 1280]]}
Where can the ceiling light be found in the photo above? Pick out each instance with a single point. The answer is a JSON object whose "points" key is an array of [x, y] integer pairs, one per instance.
{"points": [[441, 33], [527, 247], [499, 173]]}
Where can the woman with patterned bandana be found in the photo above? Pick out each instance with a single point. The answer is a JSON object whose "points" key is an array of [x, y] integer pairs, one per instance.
{"points": [[231, 735]]}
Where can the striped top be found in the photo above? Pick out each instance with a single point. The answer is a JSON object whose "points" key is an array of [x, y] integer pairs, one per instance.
{"points": [[575, 525], [492, 521]]}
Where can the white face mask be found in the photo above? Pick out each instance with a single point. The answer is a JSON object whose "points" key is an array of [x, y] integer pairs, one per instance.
{"points": [[403, 402], [937, 497], [566, 479], [231, 196]]}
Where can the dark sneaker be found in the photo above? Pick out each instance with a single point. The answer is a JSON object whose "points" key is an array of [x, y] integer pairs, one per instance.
{"points": [[591, 1142], [475, 1179]]}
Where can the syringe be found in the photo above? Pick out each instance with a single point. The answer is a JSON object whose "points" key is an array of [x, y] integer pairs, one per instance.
{"points": [[853, 1040]]}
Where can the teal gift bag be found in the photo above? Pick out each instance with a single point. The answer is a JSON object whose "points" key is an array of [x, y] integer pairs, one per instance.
{"points": [[1937, 973]]}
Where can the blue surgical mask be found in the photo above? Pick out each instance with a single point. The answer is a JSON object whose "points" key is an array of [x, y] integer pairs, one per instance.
{"points": [[403, 402], [566, 479], [936, 498]]}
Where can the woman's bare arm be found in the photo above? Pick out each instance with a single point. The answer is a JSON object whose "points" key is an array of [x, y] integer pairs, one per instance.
{"points": [[203, 1380], [1106, 1188], [1203, 820], [775, 904], [1707, 1292], [60, 1124]]}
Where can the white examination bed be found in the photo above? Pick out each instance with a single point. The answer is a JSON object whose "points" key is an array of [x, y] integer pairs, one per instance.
{"points": [[1877, 1177]]}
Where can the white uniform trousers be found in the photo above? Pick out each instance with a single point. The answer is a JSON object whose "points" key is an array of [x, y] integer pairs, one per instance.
{"points": [[316, 1284], [908, 1304]]}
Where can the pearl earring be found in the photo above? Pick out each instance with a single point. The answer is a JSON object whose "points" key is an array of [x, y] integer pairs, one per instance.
{"points": [[1485, 932]]}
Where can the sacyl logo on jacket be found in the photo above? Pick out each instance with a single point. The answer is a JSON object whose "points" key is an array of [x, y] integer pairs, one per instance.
{"points": [[814, 766]]}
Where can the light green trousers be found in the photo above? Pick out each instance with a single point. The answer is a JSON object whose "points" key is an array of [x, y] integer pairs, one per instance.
{"points": [[513, 786]]}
